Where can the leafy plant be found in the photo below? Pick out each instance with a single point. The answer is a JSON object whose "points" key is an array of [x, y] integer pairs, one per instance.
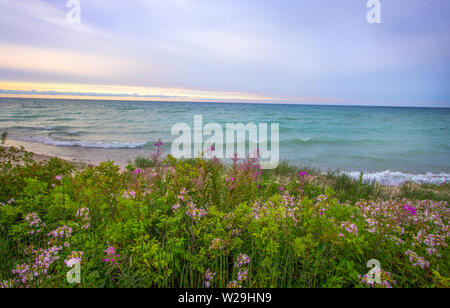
{"points": [[199, 223]]}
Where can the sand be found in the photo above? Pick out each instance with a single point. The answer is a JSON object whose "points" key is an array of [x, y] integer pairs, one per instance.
{"points": [[79, 155], [40, 153]]}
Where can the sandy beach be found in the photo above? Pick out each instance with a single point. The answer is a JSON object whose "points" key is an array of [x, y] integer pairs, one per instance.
{"points": [[78, 155]]}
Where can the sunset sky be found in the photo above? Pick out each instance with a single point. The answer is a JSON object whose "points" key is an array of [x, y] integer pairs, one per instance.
{"points": [[287, 51]]}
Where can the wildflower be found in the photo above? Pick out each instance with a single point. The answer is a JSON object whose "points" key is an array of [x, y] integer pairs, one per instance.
{"points": [[176, 207], [303, 174], [129, 194], [155, 157], [83, 214], [233, 285], [256, 175], [61, 233], [111, 255], [39, 268], [75, 256], [216, 244], [236, 232], [209, 277], [350, 228], [416, 260], [35, 223], [183, 195], [9, 202], [242, 275], [321, 198], [386, 280], [58, 178], [412, 210], [136, 171], [24, 272], [7, 284], [194, 212], [242, 260], [431, 251]]}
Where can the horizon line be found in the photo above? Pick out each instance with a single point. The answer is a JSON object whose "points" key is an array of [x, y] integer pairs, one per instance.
{"points": [[200, 101], [39, 90]]}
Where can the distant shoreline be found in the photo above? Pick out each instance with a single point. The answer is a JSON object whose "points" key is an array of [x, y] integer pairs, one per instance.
{"points": [[243, 102]]}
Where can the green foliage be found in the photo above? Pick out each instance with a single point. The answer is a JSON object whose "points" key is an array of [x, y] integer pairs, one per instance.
{"points": [[172, 224], [17, 165], [348, 189], [426, 192], [3, 136], [143, 162]]}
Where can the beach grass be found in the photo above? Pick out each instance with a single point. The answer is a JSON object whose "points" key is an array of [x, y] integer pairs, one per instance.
{"points": [[426, 191], [143, 162]]}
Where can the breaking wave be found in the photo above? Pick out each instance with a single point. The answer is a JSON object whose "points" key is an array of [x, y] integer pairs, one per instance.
{"points": [[88, 144], [396, 178]]}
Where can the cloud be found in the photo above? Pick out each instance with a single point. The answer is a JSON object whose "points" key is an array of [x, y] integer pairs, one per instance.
{"points": [[27, 88], [16, 57]]}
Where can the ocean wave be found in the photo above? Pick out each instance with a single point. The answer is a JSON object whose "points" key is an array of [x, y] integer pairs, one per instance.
{"points": [[46, 128], [292, 129], [305, 140], [69, 133], [329, 141], [396, 178], [87, 144]]}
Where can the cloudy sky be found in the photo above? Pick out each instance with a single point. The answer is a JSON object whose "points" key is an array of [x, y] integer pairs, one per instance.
{"points": [[292, 51]]}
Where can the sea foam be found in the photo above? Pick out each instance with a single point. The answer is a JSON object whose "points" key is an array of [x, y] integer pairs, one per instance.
{"points": [[87, 144], [396, 178]]}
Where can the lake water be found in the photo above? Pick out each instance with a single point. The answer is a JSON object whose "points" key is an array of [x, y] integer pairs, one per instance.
{"points": [[387, 144]]}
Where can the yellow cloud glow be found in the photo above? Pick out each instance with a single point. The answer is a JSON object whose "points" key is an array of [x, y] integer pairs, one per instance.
{"points": [[17, 57], [120, 92]]}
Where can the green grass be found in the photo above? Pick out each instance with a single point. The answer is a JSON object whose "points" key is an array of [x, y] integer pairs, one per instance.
{"points": [[425, 192], [353, 190], [143, 162], [289, 169]]}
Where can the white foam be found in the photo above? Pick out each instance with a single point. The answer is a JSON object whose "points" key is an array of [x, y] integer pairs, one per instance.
{"points": [[395, 178], [86, 144], [43, 128]]}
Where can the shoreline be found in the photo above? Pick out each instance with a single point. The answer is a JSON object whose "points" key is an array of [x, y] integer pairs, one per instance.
{"points": [[318, 177], [79, 156], [37, 155], [41, 157], [84, 156]]}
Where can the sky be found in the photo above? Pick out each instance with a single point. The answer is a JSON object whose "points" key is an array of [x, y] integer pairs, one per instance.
{"points": [[285, 51]]}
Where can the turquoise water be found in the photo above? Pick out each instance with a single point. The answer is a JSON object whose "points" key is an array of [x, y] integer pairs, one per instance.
{"points": [[386, 143]]}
